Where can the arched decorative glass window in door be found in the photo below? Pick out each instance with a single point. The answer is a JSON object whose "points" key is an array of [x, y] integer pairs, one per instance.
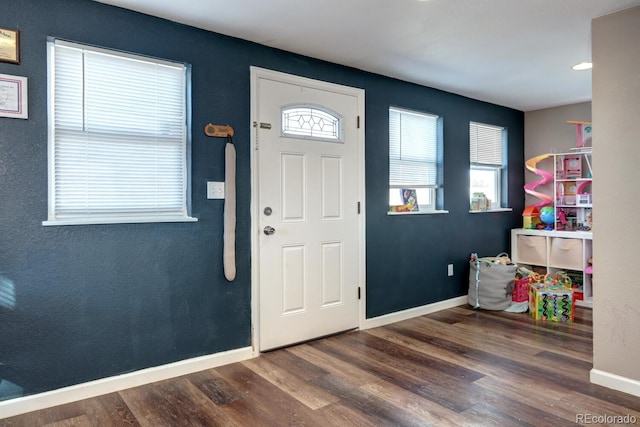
{"points": [[311, 122]]}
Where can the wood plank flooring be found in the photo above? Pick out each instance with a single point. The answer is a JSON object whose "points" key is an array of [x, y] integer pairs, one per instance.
{"points": [[457, 367]]}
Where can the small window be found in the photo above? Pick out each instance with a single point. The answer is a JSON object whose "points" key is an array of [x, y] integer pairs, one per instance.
{"points": [[118, 134], [312, 122], [487, 159], [414, 164]]}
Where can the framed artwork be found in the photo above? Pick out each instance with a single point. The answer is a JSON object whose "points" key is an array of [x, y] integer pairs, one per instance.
{"points": [[13, 96], [9, 45]]}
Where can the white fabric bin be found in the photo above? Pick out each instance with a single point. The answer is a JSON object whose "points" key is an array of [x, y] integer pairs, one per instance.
{"points": [[532, 250], [566, 253]]}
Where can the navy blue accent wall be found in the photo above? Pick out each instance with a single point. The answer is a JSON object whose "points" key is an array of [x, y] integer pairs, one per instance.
{"points": [[407, 256], [78, 303]]}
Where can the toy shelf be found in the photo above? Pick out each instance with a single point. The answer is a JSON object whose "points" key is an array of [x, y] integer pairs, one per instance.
{"points": [[550, 251], [572, 196]]}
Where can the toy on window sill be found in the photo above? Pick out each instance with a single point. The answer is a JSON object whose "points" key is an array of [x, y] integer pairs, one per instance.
{"points": [[480, 202]]}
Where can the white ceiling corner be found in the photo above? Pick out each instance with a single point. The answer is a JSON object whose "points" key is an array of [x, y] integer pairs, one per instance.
{"points": [[517, 54]]}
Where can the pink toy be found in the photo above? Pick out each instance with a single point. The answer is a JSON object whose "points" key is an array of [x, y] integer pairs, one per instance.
{"points": [[563, 217], [583, 133], [582, 186], [547, 177]]}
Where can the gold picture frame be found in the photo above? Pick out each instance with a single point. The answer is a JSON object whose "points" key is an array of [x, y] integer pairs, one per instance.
{"points": [[9, 45]]}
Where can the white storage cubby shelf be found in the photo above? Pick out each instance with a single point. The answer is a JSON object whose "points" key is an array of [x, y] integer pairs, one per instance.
{"points": [[550, 251]]}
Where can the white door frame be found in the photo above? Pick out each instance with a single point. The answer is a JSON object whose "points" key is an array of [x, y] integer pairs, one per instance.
{"points": [[257, 73]]}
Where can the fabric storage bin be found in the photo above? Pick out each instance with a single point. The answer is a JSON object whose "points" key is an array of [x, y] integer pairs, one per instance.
{"points": [[532, 250], [491, 283], [566, 253]]}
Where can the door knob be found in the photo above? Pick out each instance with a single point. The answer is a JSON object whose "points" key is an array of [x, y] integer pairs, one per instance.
{"points": [[268, 230]]}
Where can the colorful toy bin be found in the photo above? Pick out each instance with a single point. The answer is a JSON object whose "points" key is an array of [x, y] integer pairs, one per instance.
{"points": [[553, 303], [520, 290]]}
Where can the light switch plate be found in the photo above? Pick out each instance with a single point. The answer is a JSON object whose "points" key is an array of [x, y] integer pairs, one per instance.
{"points": [[215, 190]]}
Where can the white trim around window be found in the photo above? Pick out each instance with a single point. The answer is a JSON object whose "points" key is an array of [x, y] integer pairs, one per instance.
{"points": [[414, 143], [118, 137], [487, 158]]}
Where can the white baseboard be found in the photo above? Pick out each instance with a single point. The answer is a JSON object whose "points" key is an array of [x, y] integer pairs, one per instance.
{"points": [[21, 405], [414, 312], [616, 382]]}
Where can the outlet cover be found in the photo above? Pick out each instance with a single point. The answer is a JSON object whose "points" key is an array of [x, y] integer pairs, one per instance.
{"points": [[215, 190], [450, 270]]}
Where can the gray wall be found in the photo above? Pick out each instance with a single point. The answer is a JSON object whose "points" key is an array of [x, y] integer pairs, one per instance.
{"points": [[547, 131], [616, 154]]}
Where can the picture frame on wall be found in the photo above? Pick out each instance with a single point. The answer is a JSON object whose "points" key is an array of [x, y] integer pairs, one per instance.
{"points": [[9, 45], [13, 96]]}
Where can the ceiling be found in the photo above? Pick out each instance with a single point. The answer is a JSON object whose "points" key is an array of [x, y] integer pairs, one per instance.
{"points": [[513, 53]]}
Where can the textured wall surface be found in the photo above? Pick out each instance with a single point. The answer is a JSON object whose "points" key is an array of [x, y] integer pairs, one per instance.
{"points": [[86, 302], [616, 155], [547, 131]]}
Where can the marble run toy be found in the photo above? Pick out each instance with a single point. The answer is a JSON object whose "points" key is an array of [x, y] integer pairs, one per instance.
{"points": [[530, 187]]}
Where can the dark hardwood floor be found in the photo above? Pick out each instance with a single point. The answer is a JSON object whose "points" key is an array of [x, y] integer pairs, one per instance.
{"points": [[457, 367]]}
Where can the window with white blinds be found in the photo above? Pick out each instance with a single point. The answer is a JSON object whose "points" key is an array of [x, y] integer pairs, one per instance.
{"points": [[118, 137], [485, 145], [486, 155], [413, 155]]}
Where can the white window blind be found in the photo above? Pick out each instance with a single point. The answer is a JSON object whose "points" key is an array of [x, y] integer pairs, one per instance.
{"points": [[485, 145], [486, 158], [118, 137], [413, 143]]}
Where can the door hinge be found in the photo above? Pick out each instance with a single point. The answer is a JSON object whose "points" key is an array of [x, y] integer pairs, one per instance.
{"points": [[257, 147], [358, 208], [358, 122], [359, 293]]}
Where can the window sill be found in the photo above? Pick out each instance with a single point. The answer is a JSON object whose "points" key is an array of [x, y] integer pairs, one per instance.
{"points": [[116, 220], [417, 213], [493, 210]]}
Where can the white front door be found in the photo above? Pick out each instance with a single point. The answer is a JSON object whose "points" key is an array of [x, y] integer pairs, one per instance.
{"points": [[310, 171]]}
